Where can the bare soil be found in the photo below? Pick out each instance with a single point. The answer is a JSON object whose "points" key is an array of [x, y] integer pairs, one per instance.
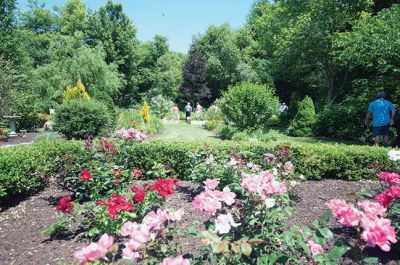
{"points": [[23, 242]]}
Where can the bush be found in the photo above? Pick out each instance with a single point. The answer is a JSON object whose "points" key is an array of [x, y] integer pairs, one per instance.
{"points": [[76, 118], [249, 106], [24, 105], [26, 169], [76, 92], [211, 125], [129, 119], [342, 121], [161, 107], [305, 119]]}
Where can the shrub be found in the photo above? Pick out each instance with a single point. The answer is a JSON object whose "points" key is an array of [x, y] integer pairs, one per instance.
{"points": [[211, 125], [76, 92], [76, 118], [305, 119], [24, 105], [161, 107], [249, 106], [26, 169], [129, 119]]}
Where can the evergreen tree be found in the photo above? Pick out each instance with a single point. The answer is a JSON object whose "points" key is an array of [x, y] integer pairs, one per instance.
{"points": [[305, 119], [194, 85]]}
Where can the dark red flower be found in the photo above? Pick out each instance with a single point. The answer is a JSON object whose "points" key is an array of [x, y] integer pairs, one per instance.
{"points": [[117, 182], [284, 154], [165, 187], [136, 172], [106, 145], [86, 175], [64, 204], [385, 198]]}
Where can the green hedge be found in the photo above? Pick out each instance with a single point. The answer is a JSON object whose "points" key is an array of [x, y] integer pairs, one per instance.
{"points": [[314, 161], [25, 169]]}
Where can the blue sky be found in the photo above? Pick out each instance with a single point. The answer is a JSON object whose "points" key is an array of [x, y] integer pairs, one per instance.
{"points": [[179, 20]]}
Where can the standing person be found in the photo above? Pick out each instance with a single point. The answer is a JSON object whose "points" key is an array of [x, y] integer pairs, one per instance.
{"points": [[198, 110], [175, 112], [283, 107], [188, 110], [383, 113]]}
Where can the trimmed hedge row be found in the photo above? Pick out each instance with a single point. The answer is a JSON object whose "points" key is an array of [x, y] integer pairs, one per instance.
{"points": [[25, 169], [314, 161]]}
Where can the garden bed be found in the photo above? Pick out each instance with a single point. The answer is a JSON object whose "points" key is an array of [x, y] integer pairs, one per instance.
{"points": [[22, 241]]}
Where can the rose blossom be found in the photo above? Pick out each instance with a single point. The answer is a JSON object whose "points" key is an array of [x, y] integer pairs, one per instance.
{"points": [[64, 204], [372, 208], [344, 212], [86, 175], [95, 251], [175, 261], [394, 155], [391, 178], [269, 158], [315, 248], [385, 198], [224, 222], [378, 232], [211, 183], [136, 172]]}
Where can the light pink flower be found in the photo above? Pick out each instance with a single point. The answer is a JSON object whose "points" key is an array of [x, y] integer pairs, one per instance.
{"points": [[315, 248], [224, 222], [264, 184], [344, 212], [228, 196], [95, 251], [269, 158], [137, 232], [211, 183], [176, 216], [129, 254], [372, 208], [175, 261], [207, 202], [378, 232], [287, 168]]}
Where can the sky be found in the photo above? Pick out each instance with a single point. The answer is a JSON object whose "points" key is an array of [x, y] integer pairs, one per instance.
{"points": [[178, 20]]}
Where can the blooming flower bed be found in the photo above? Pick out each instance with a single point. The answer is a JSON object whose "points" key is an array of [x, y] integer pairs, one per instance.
{"points": [[246, 205]]}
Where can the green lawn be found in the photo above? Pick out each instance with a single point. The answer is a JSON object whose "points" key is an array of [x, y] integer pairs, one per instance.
{"points": [[182, 131]]}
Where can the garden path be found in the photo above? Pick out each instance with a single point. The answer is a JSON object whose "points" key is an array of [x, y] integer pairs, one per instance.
{"points": [[181, 131]]}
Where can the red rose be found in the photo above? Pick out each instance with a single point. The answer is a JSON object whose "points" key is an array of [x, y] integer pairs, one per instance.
{"points": [[86, 175], [165, 187], [117, 204], [139, 196], [64, 204], [117, 172]]}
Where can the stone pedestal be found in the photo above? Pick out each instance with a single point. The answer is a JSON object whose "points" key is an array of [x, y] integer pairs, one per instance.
{"points": [[12, 120]]}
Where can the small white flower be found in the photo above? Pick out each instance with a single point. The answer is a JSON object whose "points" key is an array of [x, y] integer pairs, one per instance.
{"points": [[302, 177], [232, 162], [250, 165], [293, 183], [270, 202], [209, 159], [394, 155], [275, 172]]}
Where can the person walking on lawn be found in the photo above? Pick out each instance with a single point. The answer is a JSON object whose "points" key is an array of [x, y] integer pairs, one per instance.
{"points": [[383, 113], [188, 110]]}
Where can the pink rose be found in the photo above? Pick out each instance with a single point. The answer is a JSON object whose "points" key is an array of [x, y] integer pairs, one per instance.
{"points": [[315, 248], [372, 208], [224, 222], [175, 261], [211, 183]]}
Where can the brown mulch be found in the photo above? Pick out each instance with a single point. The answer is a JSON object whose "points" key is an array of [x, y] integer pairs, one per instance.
{"points": [[22, 241], [19, 139]]}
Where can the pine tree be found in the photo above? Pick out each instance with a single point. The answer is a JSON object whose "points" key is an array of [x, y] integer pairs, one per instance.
{"points": [[305, 119]]}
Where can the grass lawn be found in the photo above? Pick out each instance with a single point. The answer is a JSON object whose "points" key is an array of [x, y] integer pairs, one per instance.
{"points": [[181, 131]]}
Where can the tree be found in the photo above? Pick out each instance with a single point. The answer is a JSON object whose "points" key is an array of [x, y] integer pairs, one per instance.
{"points": [[111, 28], [38, 19], [168, 76], [194, 85], [305, 119], [73, 17]]}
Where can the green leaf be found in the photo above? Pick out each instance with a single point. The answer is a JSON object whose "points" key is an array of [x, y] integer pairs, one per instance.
{"points": [[326, 232], [289, 239], [325, 217], [246, 248], [370, 260], [192, 231]]}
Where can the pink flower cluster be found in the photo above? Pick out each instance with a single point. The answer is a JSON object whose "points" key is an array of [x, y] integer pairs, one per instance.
{"points": [[131, 134], [210, 200], [263, 184], [377, 230], [391, 178], [95, 251], [139, 234], [175, 261]]}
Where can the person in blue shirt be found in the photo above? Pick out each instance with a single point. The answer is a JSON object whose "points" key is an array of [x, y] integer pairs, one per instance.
{"points": [[383, 113]]}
